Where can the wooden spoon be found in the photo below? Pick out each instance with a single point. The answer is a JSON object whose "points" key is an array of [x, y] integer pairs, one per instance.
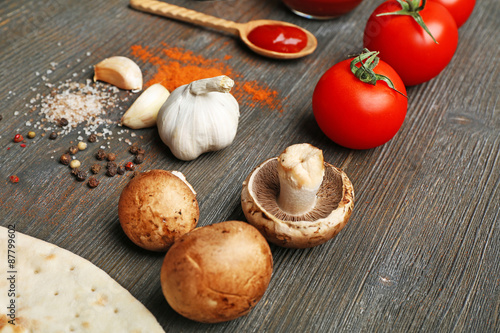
{"points": [[237, 29]]}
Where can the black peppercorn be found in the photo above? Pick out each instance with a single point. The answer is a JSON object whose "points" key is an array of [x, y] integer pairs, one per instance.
{"points": [[133, 149], [73, 150], [139, 158], [111, 157], [111, 172], [63, 122], [65, 159], [110, 165], [95, 168], [75, 171], [92, 138], [93, 182], [81, 176], [53, 136], [141, 151], [120, 170], [101, 155]]}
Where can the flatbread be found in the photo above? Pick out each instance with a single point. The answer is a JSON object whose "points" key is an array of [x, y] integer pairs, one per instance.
{"points": [[55, 290]]}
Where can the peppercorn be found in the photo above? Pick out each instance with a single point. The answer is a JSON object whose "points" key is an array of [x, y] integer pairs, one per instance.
{"points": [[111, 172], [92, 138], [18, 138], [93, 182], [111, 157], [53, 136], [139, 158], [31, 134], [65, 159], [101, 155], [74, 164], [75, 171], [63, 122], [81, 176], [82, 145], [120, 170], [73, 150], [133, 149], [140, 151], [130, 166], [111, 165], [95, 168]]}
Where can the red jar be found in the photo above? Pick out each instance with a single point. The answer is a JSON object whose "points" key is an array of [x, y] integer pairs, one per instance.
{"points": [[321, 9]]}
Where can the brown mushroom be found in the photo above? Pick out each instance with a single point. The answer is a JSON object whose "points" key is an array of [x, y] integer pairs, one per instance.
{"points": [[157, 207], [217, 272], [297, 200]]}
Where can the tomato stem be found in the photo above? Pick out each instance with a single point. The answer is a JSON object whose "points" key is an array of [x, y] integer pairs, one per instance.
{"points": [[412, 8], [368, 60]]}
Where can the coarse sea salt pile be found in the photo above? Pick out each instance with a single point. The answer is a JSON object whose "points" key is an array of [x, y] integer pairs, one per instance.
{"points": [[78, 103]]}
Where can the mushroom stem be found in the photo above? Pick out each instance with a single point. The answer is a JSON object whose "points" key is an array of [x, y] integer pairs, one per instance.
{"points": [[300, 171]]}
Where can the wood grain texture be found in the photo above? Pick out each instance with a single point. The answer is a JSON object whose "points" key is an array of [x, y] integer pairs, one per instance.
{"points": [[421, 250]]}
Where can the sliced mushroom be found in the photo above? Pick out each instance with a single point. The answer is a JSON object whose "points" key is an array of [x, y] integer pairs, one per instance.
{"points": [[297, 200]]}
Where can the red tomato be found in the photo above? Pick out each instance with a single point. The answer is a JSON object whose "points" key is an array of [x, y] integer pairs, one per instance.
{"points": [[459, 9], [406, 46], [355, 114]]}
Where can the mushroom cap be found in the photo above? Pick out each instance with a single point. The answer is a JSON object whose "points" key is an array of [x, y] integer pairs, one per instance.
{"points": [[333, 207], [217, 272], [156, 207]]}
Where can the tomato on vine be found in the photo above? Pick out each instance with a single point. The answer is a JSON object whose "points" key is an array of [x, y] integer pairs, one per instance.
{"points": [[459, 9], [360, 103], [418, 38]]}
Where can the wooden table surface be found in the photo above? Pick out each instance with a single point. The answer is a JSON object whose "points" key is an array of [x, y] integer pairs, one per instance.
{"points": [[421, 251]]}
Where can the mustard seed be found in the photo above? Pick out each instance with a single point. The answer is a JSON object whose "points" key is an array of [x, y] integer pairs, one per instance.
{"points": [[82, 145], [31, 134]]}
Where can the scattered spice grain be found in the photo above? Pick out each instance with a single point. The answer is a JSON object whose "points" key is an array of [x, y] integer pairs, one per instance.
{"points": [[65, 159], [81, 176], [101, 155], [72, 150], [93, 182], [53, 136], [74, 164], [120, 170], [111, 157], [14, 179], [111, 164], [139, 158], [18, 138], [111, 172], [95, 168], [130, 166], [133, 149], [82, 145], [31, 134], [63, 122], [92, 138]]}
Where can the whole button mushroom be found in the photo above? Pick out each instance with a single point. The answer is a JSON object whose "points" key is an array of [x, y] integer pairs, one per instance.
{"points": [[156, 208], [217, 272], [297, 200]]}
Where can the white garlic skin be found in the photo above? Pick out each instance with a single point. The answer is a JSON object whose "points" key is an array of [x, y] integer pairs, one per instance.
{"points": [[191, 125]]}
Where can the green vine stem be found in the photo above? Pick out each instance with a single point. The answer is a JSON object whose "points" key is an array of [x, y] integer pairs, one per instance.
{"points": [[369, 60], [412, 8]]}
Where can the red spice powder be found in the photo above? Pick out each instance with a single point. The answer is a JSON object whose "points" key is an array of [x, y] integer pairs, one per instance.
{"points": [[176, 66]]}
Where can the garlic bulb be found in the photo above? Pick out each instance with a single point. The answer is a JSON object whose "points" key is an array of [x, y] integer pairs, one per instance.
{"points": [[199, 117]]}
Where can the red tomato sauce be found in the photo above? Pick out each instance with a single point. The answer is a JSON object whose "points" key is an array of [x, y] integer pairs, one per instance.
{"points": [[278, 38]]}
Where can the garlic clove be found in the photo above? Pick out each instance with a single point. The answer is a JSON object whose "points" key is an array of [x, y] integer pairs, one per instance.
{"points": [[143, 112], [119, 71]]}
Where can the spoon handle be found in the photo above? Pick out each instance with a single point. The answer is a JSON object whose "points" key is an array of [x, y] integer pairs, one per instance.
{"points": [[185, 15]]}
